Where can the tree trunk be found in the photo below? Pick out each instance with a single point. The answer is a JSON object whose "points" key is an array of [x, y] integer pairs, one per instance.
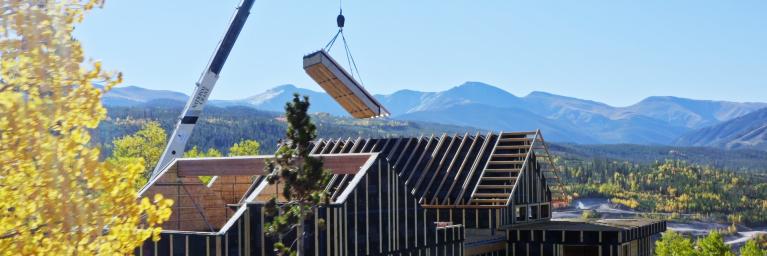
{"points": [[300, 237]]}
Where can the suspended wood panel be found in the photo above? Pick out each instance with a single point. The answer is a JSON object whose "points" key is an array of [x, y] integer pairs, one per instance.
{"points": [[341, 86]]}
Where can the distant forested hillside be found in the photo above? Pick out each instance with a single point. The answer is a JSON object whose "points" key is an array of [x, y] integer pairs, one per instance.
{"points": [[738, 160], [673, 189], [654, 120], [221, 127]]}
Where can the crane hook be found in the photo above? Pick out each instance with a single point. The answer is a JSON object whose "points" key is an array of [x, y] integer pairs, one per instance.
{"points": [[340, 20]]}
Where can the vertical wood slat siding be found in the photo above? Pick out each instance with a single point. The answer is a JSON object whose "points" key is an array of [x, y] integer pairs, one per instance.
{"points": [[394, 206], [387, 209]]}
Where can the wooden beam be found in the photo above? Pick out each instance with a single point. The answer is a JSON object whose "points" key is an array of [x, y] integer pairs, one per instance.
{"points": [[254, 165]]}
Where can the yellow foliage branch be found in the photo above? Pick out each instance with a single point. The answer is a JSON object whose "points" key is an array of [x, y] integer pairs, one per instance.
{"points": [[57, 197]]}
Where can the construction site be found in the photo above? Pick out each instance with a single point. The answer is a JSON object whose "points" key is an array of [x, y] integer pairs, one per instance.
{"points": [[471, 194], [462, 194]]}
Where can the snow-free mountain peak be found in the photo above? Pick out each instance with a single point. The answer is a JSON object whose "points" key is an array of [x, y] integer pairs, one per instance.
{"points": [[690, 112], [274, 99], [747, 131], [654, 120], [468, 93], [134, 95]]}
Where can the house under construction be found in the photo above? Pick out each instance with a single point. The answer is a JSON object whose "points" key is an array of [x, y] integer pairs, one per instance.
{"points": [[470, 194]]}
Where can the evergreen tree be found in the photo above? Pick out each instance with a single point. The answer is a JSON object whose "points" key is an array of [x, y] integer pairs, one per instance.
{"points": [[302, 177]]}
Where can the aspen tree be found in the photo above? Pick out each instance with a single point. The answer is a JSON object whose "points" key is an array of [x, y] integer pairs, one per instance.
{"points": [[58, 198]]}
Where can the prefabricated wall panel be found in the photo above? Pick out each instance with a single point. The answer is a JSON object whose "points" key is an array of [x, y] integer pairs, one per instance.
{"points": [[340, 85], [379, 217], [627, 237], [411, 196]]}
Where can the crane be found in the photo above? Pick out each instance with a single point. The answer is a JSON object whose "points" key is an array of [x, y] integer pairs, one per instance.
{"points": [[338, 83], [191, 113]]}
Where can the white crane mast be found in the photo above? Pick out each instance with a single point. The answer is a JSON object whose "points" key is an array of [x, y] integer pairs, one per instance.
{"points": [[193, 109]]}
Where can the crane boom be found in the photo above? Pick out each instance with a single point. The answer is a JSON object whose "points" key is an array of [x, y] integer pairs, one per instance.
{"points": [[193, 109]]}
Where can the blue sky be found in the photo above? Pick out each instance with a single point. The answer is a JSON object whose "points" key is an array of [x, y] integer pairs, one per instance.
{"points": [[616, 52]]}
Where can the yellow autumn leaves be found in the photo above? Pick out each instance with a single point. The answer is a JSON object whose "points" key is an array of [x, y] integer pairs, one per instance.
{"points": [[56, 196]]}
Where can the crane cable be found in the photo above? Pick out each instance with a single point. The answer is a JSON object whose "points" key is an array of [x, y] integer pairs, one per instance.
{"points": [[340, 20]]}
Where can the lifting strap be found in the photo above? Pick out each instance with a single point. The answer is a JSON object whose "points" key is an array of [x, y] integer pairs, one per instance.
{"points": [[340, 21]]}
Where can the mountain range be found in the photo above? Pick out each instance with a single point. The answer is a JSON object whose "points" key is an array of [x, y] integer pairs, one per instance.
{"points": [[134, 95], [747, 131], [662, 120]]}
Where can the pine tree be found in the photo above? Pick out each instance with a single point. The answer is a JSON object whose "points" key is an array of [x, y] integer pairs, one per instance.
{"points": [[302, 177]]}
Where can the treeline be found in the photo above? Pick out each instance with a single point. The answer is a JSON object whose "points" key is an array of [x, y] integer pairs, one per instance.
{"points": [[219, 128], [674, 187], [748, 160], [148, 143], [675, 244]]}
